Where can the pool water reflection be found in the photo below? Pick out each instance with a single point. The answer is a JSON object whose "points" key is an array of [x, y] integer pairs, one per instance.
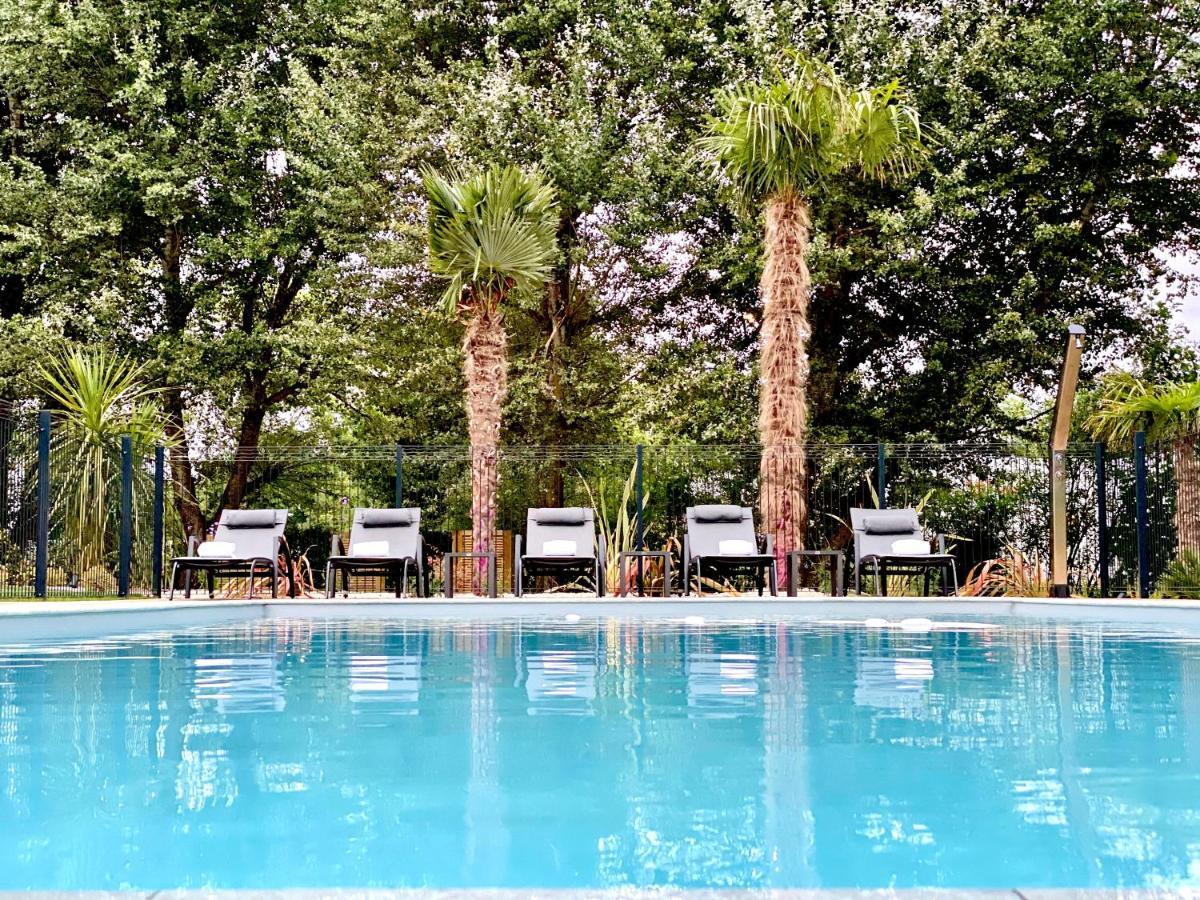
{"points": [[297, 753]]}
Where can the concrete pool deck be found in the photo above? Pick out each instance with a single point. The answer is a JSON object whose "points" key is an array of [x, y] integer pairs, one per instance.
{"points": [[70, 619]]}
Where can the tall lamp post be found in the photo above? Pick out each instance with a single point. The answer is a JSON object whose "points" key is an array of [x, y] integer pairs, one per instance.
{"points": [[1060, 433]]}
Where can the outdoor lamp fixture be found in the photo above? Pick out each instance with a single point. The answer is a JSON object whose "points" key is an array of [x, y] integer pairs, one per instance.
{"points": [[1060, 433]]}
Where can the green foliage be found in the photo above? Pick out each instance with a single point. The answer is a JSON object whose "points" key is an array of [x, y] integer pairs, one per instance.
{"points": [[804, 127], [1127, 404], [1181, 578], [491, 233], [100, 397]]}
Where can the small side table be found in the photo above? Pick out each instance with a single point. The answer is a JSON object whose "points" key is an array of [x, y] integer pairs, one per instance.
{"points": [[836, 563], [448, 571], [625, 556]]}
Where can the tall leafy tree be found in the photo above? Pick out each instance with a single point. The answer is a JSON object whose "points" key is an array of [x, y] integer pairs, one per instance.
{"points": [[187, 181], [492, 235], [1167, 413], [778, 143]]}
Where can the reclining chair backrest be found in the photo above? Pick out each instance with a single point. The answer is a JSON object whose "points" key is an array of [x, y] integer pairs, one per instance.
{"points": [[252, 531], [400, 528], [574, 523], [875, 530], [708, 526]]}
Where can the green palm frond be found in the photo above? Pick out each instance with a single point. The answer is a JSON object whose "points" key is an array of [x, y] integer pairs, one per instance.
{"points": [[492, 232], [1128, 404], [100, 397], [804, 126]]}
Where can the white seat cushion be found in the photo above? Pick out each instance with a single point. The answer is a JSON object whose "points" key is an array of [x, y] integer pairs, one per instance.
{"points": [[735, 548], [369, 548], [559, 548], [215, 550], [910, 547]]}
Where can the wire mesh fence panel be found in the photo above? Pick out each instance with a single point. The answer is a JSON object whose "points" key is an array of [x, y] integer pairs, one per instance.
{"points": [[988, 500], [991, 500], [18, 504], [1173, 517], [1121, 521]]}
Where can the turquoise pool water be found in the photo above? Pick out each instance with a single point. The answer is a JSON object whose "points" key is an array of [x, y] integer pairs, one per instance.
{"points": [[298, 753]]}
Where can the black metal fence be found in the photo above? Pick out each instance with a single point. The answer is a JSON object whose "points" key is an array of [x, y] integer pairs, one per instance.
{"points": [[87, 519]]}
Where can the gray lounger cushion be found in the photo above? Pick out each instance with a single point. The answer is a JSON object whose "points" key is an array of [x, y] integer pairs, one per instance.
{"points": [[385, 518], [568, 516], [249, 518], [719, 512], [888, 525]]}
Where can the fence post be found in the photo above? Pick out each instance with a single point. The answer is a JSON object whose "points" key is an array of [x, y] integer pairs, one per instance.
{"points": [[639, 502], [1102, 518], [1143, 521], [43, 505], [881, 475], [125, 548], [399, 476], [156, 551]]}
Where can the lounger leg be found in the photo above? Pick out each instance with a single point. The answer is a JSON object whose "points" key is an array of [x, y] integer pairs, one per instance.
{"points": [[346, 584], [954, 576], [925, 589], [329, 581], [174, 578], [699, 580], [212, 581], [773, 580], [187, 584], [250, 586], [275, 580], [402, 580], [880, 584]]}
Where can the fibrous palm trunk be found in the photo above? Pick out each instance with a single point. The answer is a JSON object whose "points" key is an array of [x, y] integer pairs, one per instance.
{"points": [[485, 348], [1187, 493], [783, 405]]}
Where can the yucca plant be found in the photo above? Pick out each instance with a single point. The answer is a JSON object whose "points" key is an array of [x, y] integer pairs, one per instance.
{"points": [[1165, 412], [99, 397], [493, 235], [777, 144]]}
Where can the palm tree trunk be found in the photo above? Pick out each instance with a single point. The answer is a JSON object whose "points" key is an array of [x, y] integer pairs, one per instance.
{"points": [[783, 404], [486, 370], [1187, 493]]}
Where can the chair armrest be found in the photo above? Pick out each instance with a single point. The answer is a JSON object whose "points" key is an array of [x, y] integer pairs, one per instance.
{"points": [[335, 545], [193, 543], [941, 543]]}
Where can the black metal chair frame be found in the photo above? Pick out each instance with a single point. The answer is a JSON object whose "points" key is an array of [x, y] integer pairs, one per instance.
{"points": [[903, 564], [557, 567], [215, 568], [377, 566]]}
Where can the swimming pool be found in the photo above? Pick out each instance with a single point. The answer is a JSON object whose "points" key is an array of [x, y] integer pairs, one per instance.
{"points": [[602, 752]]}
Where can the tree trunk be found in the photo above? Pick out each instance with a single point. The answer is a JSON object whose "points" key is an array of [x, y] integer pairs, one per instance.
{"points": [[183, 484], [177, 310], [486, 370], [246, 453], [1187, 494], [783, 406]]}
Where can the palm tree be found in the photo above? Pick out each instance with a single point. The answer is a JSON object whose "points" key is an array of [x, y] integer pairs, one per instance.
{"points": [[100, 397], [1169, 413], [777, 144], [493, 235]]}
